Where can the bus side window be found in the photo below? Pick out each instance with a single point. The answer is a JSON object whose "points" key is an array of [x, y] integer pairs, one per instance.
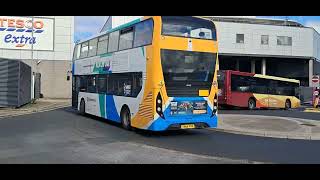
{"points": [[143, 33], [76, 53], [126, 39], [83, 84], [93, 47], [103, 44], [102, 84], [92, 88], [113, 41], [84, 50]]}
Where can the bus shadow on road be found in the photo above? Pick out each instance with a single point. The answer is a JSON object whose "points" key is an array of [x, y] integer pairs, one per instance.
{"points": [[141, 132], [152, 134]]}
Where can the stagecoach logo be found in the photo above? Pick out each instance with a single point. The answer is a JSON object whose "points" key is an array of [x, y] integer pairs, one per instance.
{"points": [[101, 67], [16, 30]]}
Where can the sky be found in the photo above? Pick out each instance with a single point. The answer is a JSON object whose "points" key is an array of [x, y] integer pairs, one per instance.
{"points": [[86, 26]]}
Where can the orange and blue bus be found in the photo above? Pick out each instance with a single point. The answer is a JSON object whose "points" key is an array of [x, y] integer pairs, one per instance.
{"points": [[252, 91], [156, 73]]}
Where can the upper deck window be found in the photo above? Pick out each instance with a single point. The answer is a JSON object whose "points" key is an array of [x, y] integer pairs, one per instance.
{"points": [[84, 50], [143, 33], [187, 26]]}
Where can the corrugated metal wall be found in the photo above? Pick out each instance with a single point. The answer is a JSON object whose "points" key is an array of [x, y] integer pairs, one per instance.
{"points": [[15, 86], [24, 84]]}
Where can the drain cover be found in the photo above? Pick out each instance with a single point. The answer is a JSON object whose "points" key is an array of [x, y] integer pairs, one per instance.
{"points": [[305, 124]]}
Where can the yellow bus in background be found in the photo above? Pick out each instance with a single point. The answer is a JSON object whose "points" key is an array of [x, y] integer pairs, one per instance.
{"points": [[249, 90]]}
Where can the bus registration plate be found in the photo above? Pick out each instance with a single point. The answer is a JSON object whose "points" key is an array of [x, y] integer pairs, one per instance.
{"points": [[188, 126]]}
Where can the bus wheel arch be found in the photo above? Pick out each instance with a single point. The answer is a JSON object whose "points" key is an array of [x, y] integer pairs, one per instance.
{"points": [[82, 108], [252, 103], [287, 104], [125, 117]]}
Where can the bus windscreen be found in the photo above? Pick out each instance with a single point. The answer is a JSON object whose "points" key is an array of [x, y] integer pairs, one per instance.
{"points": [[187, 26]]}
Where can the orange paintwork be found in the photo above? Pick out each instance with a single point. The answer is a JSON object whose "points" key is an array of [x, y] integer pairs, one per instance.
{"points": [[155, 80]]}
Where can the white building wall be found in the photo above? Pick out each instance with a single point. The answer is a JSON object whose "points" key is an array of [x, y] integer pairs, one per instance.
{"points": [[305, 41], [119, 20]]}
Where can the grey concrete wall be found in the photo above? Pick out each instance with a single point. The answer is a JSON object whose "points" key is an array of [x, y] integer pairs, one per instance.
{"points": [[54, 74]]}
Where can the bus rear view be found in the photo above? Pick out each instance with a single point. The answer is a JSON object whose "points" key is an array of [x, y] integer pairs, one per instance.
{"points": [[186, 80], [155, 73]]}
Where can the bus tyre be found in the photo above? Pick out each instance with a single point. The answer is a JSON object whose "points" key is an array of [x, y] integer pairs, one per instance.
{"points": [[251, 104], [125, 119], [287, 104], [82, 107]]}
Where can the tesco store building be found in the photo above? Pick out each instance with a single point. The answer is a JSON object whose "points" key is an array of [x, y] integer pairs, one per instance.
{"points": [[45, 43]]}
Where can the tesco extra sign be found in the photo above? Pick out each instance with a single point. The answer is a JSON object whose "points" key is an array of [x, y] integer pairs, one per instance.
{"points": [[26, 33]]}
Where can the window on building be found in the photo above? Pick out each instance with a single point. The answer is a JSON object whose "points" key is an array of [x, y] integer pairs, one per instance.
{"points": [[113, 41], [76, 53], [264, 39], [143, 33], [84, 50], [240, 38], [284, 41], [103, 44], [93, 47], [126, 38]]}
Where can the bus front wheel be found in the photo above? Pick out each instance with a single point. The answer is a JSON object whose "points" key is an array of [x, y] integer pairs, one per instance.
{"points": [[125, 118], [287, 104], [251, 104], [82, 107]]}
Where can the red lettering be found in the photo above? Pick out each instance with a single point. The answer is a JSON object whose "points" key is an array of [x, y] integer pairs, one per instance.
{"points": [[1, 22], [20, 23], [11, 22], [38, 24]]}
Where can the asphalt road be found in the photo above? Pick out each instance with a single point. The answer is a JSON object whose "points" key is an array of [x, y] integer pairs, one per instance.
{"points": [[54, 136]]}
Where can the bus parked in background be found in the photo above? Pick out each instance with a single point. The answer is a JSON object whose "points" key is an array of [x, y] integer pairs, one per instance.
{"points": [[248, 90], [155, 73]]}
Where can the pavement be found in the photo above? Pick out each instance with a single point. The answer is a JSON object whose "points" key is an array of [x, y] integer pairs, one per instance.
{"points": [[39, 105], [270, 126]]}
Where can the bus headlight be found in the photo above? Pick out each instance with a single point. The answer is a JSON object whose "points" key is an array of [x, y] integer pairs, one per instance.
{"points": [[159, 106]]}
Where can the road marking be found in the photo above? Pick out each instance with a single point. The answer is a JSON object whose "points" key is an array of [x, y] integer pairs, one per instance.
{"points": [[312, 110]]}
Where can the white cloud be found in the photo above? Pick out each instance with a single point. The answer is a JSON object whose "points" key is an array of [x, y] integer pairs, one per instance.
{"points": [[314, 24], [86, 26]]}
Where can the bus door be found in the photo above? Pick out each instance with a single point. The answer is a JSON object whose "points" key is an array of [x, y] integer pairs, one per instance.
{"points": [[75, 91], [259, 87]]}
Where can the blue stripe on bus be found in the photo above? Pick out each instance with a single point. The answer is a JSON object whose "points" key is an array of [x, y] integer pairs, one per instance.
{"points": [[29, 30], [73, 68], [2, 29], [112, 113]]}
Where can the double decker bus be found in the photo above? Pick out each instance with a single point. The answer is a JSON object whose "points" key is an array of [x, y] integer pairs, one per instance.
{"points": [[155, 73], [249, 90]]}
